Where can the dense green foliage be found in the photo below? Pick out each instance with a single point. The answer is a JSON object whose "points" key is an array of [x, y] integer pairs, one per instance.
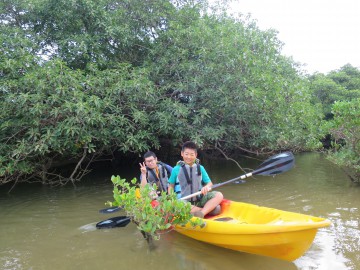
{"points": [[152, 219], [345, 128], [233, 86], [72, 85], [338, 85], [339, 94], [54, 114], [81, 79]]}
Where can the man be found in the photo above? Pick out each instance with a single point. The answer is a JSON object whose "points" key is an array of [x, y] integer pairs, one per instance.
{"points": [[154, 171]]}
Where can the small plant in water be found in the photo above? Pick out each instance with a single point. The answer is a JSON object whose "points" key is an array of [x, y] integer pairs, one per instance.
{"points": [[152, 217]]}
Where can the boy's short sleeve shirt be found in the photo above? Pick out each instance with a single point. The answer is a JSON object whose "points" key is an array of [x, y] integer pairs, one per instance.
{"points": [[174, 174], [205, 177]]}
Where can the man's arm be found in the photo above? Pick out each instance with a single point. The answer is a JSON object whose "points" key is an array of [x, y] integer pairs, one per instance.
{"points": [[143, 180]]}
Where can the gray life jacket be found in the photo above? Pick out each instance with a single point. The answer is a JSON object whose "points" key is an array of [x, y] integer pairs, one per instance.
{"points": [[190, 179], [162, 180]]}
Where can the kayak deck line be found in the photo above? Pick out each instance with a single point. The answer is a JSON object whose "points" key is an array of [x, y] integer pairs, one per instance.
{"points": [[224, 219]]}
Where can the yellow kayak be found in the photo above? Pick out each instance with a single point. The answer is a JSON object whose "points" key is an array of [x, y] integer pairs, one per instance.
{"points": [[258, 230]]}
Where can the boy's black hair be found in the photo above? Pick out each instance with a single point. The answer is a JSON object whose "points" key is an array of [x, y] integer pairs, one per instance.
{"points": [[189, 145], [149, 154]]}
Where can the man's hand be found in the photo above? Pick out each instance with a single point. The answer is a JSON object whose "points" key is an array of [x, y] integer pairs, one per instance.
{"points": [[142, 168]]}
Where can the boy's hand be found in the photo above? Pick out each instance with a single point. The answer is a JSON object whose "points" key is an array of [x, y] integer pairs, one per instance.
{"points": [[205, 190]]}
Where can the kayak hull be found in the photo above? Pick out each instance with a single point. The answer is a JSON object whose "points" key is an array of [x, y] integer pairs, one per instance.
{"points": [[258, 230]]}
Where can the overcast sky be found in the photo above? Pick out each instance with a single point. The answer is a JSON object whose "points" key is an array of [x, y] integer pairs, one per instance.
{"points": [[323, 34]]}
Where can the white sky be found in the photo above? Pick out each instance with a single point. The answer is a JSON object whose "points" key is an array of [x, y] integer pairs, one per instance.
{"points": [[322, 34]]}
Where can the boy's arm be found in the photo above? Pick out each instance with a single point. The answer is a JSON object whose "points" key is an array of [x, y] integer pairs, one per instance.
{"points": [[170, 188], [206, 180]]}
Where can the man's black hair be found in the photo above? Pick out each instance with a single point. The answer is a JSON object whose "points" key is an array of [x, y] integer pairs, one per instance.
{"points": [[189, 145], [149, 154]]}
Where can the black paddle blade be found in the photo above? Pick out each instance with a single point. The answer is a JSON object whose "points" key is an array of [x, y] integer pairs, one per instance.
{"points": [[276, 164], [121, 221], [110, 210]]}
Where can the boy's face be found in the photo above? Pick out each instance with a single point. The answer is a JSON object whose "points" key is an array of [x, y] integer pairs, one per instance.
{"points": [[189, 155], [151, 162]]}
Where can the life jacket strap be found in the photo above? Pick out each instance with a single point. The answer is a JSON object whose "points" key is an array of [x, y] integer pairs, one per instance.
{"points": [[157, 179]]}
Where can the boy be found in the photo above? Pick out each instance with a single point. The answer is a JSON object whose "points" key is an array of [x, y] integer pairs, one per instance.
{"points": [[193, 177]]}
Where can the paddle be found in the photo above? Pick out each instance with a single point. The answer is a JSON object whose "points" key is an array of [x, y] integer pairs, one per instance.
{"points": [[121, 221], [110, 210], [274, 165]]}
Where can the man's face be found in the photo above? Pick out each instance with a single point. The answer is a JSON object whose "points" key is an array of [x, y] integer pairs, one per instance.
{"points": [[189, 155], [150, 162]]}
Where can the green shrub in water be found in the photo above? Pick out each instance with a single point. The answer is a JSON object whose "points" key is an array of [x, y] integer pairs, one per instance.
{"points": [[152, 217]]}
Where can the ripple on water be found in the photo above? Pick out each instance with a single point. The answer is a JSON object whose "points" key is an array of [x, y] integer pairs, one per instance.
{"points": [[307, 208], [11, 259], [88, 228]]}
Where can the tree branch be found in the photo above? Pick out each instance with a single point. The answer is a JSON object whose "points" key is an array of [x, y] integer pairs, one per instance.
{"points": [[78, 165], [227, 158]]}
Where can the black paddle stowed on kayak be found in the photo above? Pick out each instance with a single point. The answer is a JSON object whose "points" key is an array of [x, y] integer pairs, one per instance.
{"points": [[120, 221], [274, 165], [110, 210]]}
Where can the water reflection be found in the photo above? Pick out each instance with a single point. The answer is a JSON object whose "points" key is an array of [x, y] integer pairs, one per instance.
{"points": [[204, 256], [11, 259], [322, 255]]}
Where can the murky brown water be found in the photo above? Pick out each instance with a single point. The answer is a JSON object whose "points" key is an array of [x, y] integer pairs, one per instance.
{"points": [[44, 228]]}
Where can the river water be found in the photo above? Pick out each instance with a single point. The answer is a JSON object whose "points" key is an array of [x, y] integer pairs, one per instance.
{"points": [[54, 228]]}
